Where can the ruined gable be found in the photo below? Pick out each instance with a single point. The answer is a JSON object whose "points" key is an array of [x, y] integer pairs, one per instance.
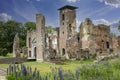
{"points": [[86, 33], [31, 44], [16, 47]]}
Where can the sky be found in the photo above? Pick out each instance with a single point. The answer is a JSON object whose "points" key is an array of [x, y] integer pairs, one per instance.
{"points": [[99, 11]]}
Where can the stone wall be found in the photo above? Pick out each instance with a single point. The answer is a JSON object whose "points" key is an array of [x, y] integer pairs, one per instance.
{"points": [[67, 26], [102, 38], [116, 46], [95, 38], [12, 60], [73, 48], [31, 43], [16, 48], [40, 33], [86, 31]]}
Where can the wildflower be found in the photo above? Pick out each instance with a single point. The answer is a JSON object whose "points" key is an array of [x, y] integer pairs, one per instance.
{"points": [[60, 73], [77, 74], [24, 70]]}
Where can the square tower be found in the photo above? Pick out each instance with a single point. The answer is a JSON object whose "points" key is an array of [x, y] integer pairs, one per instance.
{"points": [[40, 37], [67, 26]]}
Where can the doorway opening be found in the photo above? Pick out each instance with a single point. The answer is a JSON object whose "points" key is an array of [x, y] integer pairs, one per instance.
{"points": [[35, 52]]}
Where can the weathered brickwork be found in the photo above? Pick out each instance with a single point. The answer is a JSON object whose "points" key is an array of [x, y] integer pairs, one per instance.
{"points": [[31, 43], [40, 33], [16, 48], [116, 46], [91, 40], [67, 26], [36, 40]]}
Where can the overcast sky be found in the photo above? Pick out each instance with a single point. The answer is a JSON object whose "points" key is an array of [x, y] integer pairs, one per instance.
{"points": [[100, 11]]}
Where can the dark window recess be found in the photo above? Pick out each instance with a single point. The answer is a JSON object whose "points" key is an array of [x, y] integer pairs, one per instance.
{"points": [[63, 23], [78, 39], [29, 42], [107, 44], [102, 41], [55, 52], [29, 53], [63, 51], [35, 50], [63, 32], [63, 17], [70, 27]]}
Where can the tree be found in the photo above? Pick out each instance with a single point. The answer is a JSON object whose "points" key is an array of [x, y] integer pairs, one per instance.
{"points": [[30, 26], [49, 29], [7, 32], [119, 25]]}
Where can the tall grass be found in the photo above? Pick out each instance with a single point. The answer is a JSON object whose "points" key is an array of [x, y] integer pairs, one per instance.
{"points": [[102, 71]]}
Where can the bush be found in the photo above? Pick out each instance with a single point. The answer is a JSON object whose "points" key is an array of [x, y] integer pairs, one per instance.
{"points": [[3, 51], [103, 71]]}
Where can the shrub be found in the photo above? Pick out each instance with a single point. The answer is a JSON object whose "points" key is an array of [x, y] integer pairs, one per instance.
{"points": [[102, 71], [3, 51]]}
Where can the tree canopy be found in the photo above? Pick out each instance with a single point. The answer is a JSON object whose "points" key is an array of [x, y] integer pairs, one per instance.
{"points": [[30, 26], [7, 33], [49, 29], [119, 26]]}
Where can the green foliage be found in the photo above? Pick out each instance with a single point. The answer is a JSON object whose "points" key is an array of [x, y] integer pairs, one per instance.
{"points": [[29, 26], [3, 51], [49, 29], [10, 77], [102, 71], [8, 31], [9, 55], [118, 27], [112, 34]]}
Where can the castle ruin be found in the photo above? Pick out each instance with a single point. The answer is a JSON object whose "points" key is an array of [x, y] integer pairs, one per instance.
{"points": [[91, 41]]}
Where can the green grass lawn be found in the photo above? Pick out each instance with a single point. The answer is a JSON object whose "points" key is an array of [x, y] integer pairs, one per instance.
{"points": [[45, 66], [72, 70], [68, 65]]}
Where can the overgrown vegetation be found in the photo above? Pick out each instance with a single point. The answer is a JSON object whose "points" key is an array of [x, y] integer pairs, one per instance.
{"points": [[9, 29], [49, 29], [9, 55], [103, 71], [7, 33]]}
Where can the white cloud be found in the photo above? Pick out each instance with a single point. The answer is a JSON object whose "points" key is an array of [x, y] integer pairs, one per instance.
{"points": [[114, 3], [5, 17], [72, 1], [113, 25], [78, 22], [101, 21]]}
